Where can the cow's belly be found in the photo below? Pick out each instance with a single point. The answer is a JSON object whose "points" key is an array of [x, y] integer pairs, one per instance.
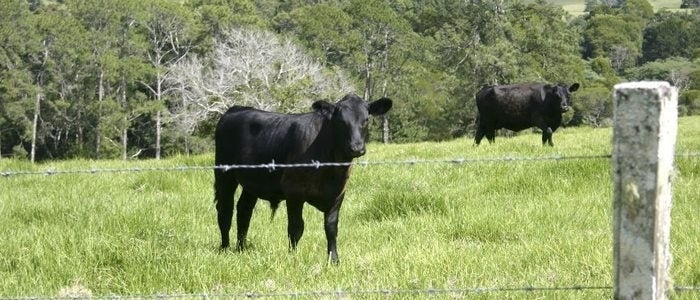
{"points": [[514, 123], [264, 192], [318, 188], [261, 183], [516, 126]]}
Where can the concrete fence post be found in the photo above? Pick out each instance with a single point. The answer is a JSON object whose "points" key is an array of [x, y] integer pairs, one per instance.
{"points": [[644, 138]]}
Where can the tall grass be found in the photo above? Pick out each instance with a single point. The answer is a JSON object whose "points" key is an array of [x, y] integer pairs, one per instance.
{"points": [[474, 225]]}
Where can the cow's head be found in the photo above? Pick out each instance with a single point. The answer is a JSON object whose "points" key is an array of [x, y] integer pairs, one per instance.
{"points": [[562, 93], [349, 119]]}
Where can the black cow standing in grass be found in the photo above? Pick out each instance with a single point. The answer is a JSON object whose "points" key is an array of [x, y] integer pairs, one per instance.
{"points": [[521, 106], [247, 136]]}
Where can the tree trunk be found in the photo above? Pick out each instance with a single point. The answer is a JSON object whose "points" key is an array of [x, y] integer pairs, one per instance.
{"points": [[159, 97], [187, 146], [385, 83], [126, 116], [35, 126], [124, 142], [158, 131], [100, 96]]}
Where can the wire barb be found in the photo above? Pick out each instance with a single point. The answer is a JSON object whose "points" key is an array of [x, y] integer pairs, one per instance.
{"points": [[271, 166]]}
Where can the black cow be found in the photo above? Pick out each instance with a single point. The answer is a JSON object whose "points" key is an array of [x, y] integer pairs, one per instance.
{"points": [[331, 133], [520, 106]]}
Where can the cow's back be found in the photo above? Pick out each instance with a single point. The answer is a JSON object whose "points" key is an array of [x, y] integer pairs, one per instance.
{"points": [[507, 106], [256, 136]]}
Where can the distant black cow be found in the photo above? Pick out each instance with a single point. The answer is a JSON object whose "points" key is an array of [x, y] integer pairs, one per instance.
{"points": [[521, 106], [331, 133]]}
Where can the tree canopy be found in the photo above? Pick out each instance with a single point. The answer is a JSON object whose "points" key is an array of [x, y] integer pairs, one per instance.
{"points": [[146, 79]]}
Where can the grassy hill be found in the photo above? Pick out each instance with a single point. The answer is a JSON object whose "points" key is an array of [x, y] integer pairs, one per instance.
{"points": [[497, 224], [576, 7]]}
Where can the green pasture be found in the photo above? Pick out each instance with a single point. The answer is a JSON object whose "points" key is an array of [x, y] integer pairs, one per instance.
{"points": [[486, 224], [577, 7]]}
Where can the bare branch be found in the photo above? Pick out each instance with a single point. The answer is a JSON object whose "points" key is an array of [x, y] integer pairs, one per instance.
{"points": [[252, 68]]}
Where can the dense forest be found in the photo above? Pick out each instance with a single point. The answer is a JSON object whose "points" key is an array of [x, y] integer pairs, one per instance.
{"points": [[147, 79]]}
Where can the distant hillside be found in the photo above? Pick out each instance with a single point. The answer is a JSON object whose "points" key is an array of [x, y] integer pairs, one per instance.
{"points": [[576, 7]]}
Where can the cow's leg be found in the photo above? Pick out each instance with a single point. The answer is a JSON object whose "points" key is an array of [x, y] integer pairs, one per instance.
{"points": [[479, 130], [295, 226], [245, 206], [479, 135], [330, 224], [224, 187], [491, 135], [547, 136]]}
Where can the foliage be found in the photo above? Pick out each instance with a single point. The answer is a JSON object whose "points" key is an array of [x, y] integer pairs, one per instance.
{"points": [[689, 103], [249, 67], [618, 38], [683, 74], [690, 4], [672, 35], [105, 79], [679, 71], [593, 106]]}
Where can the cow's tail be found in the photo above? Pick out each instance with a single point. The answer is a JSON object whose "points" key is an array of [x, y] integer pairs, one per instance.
{"points": [[274, 204]]}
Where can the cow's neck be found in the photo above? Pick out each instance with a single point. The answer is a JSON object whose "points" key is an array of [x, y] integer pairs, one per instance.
{"points": [[323, 148], [551, 105]]}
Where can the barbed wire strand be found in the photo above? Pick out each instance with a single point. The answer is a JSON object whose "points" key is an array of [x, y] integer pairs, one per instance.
{"points": [[344, 293], [272, 166]]}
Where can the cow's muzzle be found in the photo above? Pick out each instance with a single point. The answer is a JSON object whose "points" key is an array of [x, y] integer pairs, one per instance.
{"points": [[564, 109], [357, 150], [357, 153]]}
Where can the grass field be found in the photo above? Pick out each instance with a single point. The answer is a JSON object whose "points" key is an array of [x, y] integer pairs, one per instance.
{"points": [[496, 225], [577, 7]]}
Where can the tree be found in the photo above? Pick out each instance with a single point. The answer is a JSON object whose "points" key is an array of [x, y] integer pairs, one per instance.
{"points": [[170, 31], [56, 67], [671, 34], [593, 106], [323, 28], [690, 4], [604, 73], [471, 38], [616, 37], [676, 71], [681, 73], [131, 47], [638, 8], [250, 67], [100, 19], [380, 30], [616, 32], [217, 16], [545, 56], [17, 39]]}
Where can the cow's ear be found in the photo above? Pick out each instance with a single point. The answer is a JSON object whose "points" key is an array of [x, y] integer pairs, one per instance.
{"points": [[324, 108], [380, 107], [573, 87]]}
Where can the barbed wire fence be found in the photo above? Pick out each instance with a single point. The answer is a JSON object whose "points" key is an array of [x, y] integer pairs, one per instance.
{"points": [[273, 166], [347, 293]]}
